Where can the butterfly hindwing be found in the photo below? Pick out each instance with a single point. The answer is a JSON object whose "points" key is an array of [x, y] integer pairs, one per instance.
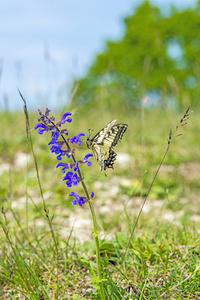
{"points": [[103, 142], [114, 135]]}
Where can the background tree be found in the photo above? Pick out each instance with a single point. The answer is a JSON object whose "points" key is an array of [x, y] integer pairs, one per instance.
{"points": [[158, 54]]}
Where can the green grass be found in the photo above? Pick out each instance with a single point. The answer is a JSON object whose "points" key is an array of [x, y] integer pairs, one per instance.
{"points": [[47, 250]]}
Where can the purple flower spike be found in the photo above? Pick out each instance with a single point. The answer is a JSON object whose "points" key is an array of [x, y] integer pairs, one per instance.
{"points": [[71, 178], [78, 199], [64, 116], [60, 145], [42, 128]]}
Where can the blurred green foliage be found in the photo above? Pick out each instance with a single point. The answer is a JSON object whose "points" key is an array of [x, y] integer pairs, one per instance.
{"points": [[158, 56]]}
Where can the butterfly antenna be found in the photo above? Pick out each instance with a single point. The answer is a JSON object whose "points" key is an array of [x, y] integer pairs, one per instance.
{"points": [[90, 132]]}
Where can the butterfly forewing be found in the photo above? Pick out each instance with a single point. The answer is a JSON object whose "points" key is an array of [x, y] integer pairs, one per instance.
{"points": [[99, 137], [103, 142]]}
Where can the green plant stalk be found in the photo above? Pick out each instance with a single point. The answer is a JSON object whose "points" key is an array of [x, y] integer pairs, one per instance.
{"points": [[97, 249], [170, 139], [95, 233]]}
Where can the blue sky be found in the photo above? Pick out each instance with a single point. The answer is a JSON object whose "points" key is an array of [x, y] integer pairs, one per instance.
{"points": [[45, 44]]}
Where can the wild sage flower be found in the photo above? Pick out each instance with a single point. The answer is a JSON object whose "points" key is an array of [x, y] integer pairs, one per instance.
{"points": [[78, 199], [71, 178], [54, 137], [75, 139], [65, 166], [76, 168], [60, 145], [41, 127], [85, 160], [64, 116]]}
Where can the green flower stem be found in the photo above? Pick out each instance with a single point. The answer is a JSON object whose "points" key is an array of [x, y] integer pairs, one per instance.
{"points": [[95, 235], [97, 249], [95, 230]]}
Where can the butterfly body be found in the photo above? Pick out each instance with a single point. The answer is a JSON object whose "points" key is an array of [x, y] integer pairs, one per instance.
{"points": [[104, 141]]}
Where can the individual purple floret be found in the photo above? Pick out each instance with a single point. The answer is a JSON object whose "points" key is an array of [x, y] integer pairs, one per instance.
{"points": [[41, 127], [56, 148], [76, 168], [78, 199], [85, 160], [71, 178], [54, 137], [65, 166], [75, 139], [65, 118]]}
